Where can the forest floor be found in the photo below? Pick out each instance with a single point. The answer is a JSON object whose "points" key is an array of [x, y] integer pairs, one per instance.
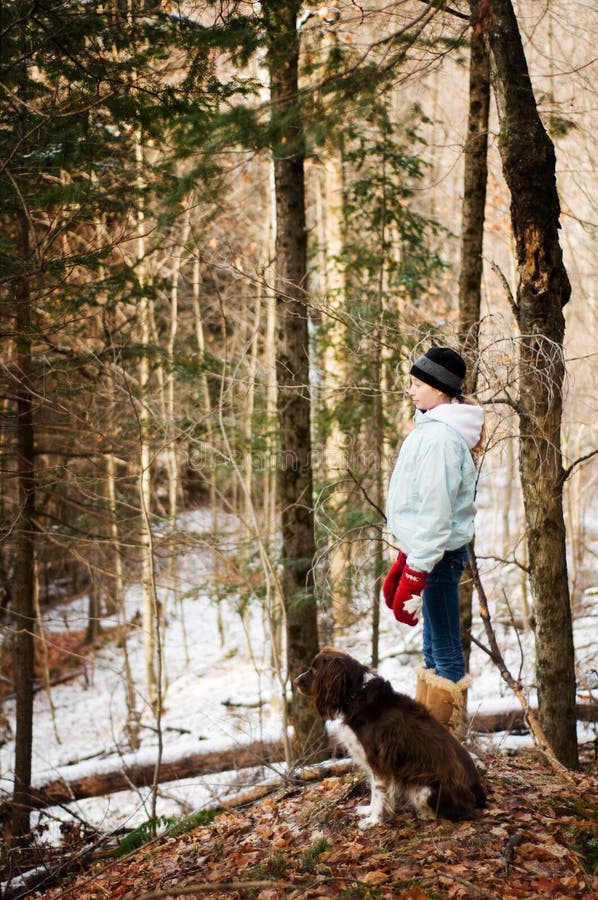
{"points": [[537, 837]]}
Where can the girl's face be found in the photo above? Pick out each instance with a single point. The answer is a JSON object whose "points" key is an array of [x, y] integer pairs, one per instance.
{"points": [[425, 396]]}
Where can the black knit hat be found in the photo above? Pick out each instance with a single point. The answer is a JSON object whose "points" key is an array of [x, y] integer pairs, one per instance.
{"points": [[441, 368]]}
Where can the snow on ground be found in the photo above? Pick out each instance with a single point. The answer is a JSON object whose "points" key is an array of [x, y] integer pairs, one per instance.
{"points": [[221, 691]]}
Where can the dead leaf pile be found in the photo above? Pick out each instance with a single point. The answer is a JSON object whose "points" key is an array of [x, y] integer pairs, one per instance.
{"points": [[538, 837]]}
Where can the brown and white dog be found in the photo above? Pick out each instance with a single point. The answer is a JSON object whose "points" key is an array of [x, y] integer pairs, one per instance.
{"points": [[405, 752]]}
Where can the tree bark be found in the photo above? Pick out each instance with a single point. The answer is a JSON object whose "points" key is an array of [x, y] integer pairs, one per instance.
{"points": [[334, 378], [379, 494], [528, 161], [204, 390], [475, 176], [151, 624], [292, 367], [173, 468]]}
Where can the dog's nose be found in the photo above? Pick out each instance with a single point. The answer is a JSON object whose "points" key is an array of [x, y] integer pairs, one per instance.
{"points": [[300, 679]]}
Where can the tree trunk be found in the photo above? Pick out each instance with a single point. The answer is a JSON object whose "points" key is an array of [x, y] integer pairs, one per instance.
{"points": [[151, 612], [248, 410], [118, 599], [528, 161], [292, 367], [334, 376], [174, 487], [475, 177], [24, 596], [204, 390], [379, 494], [275, 608], [270, 482]]}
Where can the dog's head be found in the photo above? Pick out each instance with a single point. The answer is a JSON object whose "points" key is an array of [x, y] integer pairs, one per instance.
{"points": [[331, 681]]}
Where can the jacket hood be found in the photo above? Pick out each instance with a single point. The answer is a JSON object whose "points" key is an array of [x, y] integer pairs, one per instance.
{"points": [[465, 418]]}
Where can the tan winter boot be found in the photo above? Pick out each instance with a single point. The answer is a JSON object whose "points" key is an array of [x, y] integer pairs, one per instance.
{"points": [[422, 684], [447, 701]]}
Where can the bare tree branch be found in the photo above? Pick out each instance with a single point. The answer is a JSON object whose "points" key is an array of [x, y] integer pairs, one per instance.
{"points": [[503, 280], [448, 9], [366, 495], [495, 654], [569, 470]]}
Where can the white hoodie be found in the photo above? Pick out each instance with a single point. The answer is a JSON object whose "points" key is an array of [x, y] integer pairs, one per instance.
{"points": [[465, 418]]}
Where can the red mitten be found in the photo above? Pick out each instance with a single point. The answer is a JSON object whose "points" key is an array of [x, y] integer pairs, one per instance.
{"points": [[407, 601], [391, 582]]}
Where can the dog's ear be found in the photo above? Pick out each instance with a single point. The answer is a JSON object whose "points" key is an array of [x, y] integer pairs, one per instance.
{"points": [[336, 679]]}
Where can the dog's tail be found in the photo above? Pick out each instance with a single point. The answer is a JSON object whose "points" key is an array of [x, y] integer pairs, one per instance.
{"points": [[459, 802], [480, 796], [471, 782]]}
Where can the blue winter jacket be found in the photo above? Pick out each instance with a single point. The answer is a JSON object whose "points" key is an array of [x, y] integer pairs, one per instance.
{"points": [[430, 506]]}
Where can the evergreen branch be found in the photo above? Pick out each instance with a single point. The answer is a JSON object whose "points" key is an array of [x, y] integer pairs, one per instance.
{"points": [[63, 49]]}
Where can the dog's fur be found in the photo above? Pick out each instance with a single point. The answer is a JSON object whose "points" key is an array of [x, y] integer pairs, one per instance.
{"points": [[405, 752]]}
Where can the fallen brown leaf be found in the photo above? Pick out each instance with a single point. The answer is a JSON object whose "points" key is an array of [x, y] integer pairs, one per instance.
{"points": [[376, 876]]}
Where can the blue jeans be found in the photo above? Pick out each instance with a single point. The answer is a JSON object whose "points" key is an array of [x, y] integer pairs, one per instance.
{"points": [[442, 617]]}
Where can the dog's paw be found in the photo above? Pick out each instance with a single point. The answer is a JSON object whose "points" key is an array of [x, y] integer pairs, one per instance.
{"points": [[368, 822], [423, 812], [370, 817], [418, 799], [364, 810]]}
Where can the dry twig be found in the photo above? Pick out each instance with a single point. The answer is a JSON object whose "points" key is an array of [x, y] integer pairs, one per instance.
{"points": [[494, 652]]}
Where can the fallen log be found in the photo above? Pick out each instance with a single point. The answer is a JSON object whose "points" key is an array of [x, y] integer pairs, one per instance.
{"points": [[318, 772], [514, 719], [246, 756]]}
